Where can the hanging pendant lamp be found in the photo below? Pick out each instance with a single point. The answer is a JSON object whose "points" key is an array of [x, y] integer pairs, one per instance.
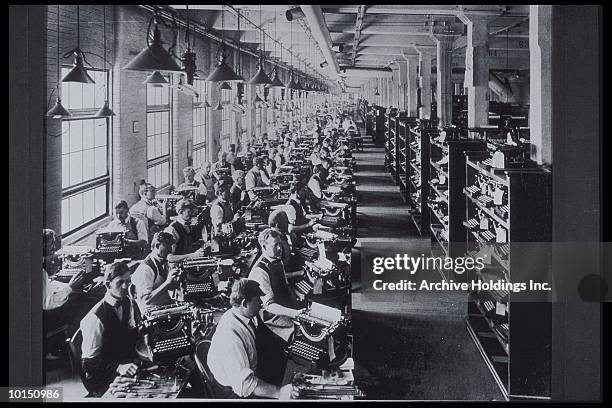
{"points": [[105, 111], [222, 72], [154, 56], [260, 78], [58, 111], [225, 86], [156, 78], [219, 106], [276, 82], [78, 73]]}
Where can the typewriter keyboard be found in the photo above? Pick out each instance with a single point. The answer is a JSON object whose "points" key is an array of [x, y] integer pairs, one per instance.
{"points": [[487, 236], [471, 223], [486, 200], [303, 287], [473, 190], [177, 343], [199, 287], [110, 249], [308, 252], [306, 351]]}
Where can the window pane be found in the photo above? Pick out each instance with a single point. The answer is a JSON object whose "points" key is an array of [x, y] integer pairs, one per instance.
{"points": [[76, 95], [89, 206], [100, 161], [158, 174], [150, 123], [65, 137], [101, 126], [150, 148], [65, 216], [76, 136], [158, 122], [165, 143], [151, 176], [158, 145], [88, 127], [65, 171], [164, 122], [100, 200], [88, 164], [88, 95], [76, 211], [165, 179], [76, 168], [88, 140]]}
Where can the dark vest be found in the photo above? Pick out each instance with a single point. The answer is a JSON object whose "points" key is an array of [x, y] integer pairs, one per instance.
{"points": [[118, 340], [278, 283], [300, 219], [157, 268], [184, 244]]}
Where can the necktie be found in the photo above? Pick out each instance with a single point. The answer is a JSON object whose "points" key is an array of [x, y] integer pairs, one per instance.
{"points": [[188, 227], [252, 326]]}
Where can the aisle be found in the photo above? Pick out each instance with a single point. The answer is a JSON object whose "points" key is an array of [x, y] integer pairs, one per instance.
{"points": [[408, 345]]}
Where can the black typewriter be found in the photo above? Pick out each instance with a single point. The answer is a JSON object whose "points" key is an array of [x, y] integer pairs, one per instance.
{"points": [[303, 289], [320, 337], [169, 331], [110, 244], [197, 278]]}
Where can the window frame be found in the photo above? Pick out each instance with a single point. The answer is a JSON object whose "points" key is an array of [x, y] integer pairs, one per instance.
{"points": [[80, 115], [163, 108]]}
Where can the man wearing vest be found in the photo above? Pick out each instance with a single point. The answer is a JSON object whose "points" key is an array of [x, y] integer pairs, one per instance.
{"points": [[222, 217], [110, 333], [298, 223], [146, 210], [280, 304], [152, 279], [186, 232], [240, 357], [136, 237], [255, 177]]}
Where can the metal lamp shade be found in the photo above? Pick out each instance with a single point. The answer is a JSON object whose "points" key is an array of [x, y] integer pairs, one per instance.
{"points": [[219, 107], [153, 58], [260, 78], [78, 73], [225, 86], [291, 84], [58, 110], [156, 79], [276, 82], [104, 111], [223, 73]]}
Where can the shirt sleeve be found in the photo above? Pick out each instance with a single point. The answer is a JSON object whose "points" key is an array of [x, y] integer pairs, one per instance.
{"points": [[154, 214], [315, 187], [258, 275], [55, 293], [291, 215], [92, 330], [143, 279], [249, 181], [142, 230], [216, 215]]}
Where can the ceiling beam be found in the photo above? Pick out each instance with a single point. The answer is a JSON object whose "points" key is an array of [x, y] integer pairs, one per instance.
{"points": [[358, 26]]}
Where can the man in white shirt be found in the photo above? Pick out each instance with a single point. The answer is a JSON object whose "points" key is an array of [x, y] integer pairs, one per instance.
{"points": [[255, 177], [186, 232], [235, 355], [136, 237], [153, 277], [110, 333], [147, 211]]}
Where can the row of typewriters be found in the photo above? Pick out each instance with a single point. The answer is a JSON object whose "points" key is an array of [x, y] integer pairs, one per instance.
{"points": [[322, 332]]}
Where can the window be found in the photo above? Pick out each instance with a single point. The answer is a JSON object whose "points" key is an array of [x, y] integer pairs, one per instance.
{"points": [[258, 119], [85, 175], [158, 134], [200, 118], [226, 99]]}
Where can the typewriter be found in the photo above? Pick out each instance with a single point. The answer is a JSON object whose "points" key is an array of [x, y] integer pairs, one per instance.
{"points": [[331, 276], [75, 260], [168, 330], [187, 192], [110, 244], [320, 338], [197, 278]]}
